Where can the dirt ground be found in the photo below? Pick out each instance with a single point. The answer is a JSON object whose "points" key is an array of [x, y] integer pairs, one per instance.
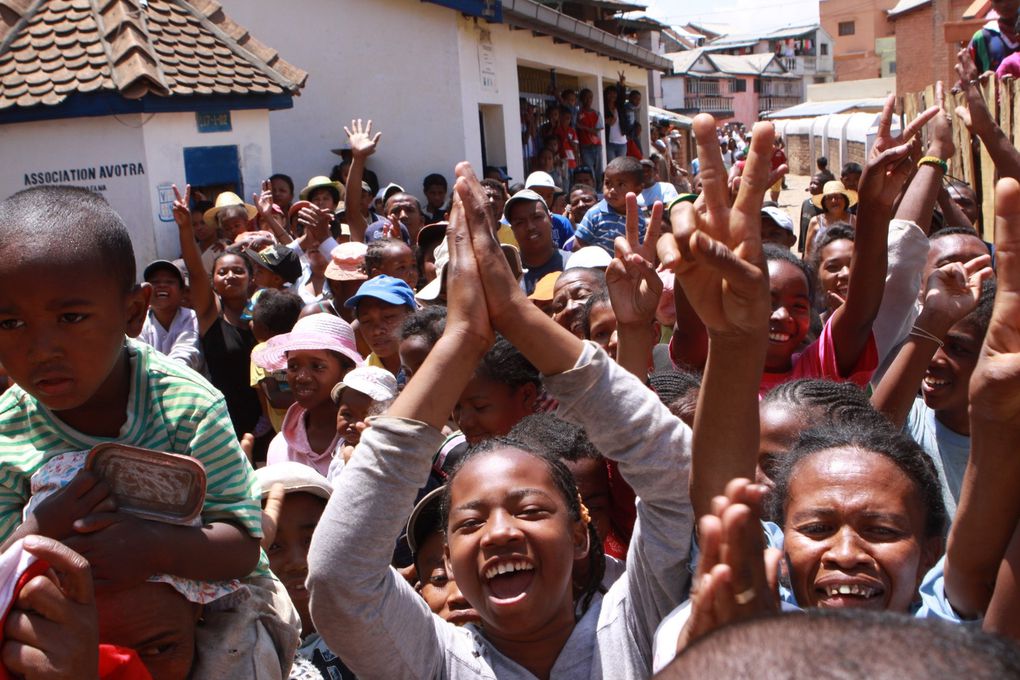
{"points": [[791, 197]]}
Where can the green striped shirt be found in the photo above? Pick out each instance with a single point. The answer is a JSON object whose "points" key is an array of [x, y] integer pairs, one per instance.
{"points": [[170, 408]]}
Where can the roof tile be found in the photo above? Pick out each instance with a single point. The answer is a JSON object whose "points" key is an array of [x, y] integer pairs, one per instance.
{"points": [[166, 47]]}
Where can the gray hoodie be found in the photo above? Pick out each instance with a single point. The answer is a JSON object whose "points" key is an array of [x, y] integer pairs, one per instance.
{"points": [[382, 628]]}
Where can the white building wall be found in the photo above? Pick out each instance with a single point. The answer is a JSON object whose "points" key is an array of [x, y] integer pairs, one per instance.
{"points": [[166, 136], [416, 70], [396, 62], [91, 153], [131, 160], [673, 92]]}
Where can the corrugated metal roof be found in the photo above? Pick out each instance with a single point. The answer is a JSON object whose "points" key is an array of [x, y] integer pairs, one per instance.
{"points": [[813, 109]]}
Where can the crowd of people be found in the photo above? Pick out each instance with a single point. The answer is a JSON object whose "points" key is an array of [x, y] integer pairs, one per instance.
{"points": [[606, 429]]}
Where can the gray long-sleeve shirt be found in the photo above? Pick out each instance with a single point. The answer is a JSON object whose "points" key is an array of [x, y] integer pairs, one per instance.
{"points": [[382, 628]]}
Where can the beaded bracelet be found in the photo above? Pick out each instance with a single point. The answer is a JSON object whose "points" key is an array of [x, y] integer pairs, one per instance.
{"points": [[921, 333], [936, 161]]}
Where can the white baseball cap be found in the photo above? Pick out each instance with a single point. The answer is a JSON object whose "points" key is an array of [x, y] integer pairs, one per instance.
{"points": [[295, 477], [433, 288], [589, 257], [524, 196], [778, 216], [540, 179], [376, 382]]}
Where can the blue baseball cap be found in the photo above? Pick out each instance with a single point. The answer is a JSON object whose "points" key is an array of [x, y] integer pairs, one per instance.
{"points": [[386, 288]]}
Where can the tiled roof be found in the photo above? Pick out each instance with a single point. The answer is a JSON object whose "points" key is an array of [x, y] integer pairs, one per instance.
{"points": [[51, 49]]}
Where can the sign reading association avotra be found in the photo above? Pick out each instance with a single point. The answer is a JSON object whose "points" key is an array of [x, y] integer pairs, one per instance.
{"points": [[90, 177]]}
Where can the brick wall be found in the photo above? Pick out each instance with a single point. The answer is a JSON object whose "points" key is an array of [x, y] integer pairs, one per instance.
{"points": [[832, 152], [858, 66], [798, 154], [922, 55], [855, 153]]}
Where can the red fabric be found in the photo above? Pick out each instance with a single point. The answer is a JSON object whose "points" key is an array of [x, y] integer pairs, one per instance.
{"points": [[121, 663], [633, 150], [778, 158], [589, 118], [115, 663], [622, 513]]}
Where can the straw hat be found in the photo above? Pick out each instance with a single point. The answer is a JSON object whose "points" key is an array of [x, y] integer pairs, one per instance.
{"points": [[835, 187], [317, 331], [225, 200], [320, 182]]}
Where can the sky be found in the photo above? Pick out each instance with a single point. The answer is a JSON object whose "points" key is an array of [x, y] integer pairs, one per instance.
{"points": [[742, 15]]}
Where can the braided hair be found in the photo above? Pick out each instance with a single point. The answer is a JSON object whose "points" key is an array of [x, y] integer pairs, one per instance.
{"points": [[884, 440], [563, 479]]}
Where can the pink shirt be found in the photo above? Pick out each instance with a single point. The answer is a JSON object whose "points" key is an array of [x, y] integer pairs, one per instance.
{"points": [[291, 444], [1010, 66], [818, 360]]}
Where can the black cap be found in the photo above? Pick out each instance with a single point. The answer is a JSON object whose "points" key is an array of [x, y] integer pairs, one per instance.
{"points": [[278, 259], [163, 265]]}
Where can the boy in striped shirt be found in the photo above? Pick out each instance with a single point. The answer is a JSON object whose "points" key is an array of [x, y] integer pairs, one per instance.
{"points": [[607, 219], [68, 304]]}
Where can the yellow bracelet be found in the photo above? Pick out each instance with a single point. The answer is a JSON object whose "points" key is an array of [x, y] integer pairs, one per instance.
{"points": [[936, 161]]}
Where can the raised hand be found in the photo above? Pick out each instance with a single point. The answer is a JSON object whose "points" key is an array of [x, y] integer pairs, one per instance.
{"points": [[315, 221], [736, 578], [885, 139], [52, 629], [941, 143], [182, 207], [634, 286], [467, 312], [965, 68], [264, 201], [363, 143], [715, 249], [952, 293], [994, 392], [500, 286], [884, 176], [271, 514]]}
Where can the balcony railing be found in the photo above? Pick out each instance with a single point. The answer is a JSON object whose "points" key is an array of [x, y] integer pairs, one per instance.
{"points": [[699, 103], [774, 103]]}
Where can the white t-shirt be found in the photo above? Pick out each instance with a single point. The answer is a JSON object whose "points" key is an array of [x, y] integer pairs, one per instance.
{"points": [[949, 450]]}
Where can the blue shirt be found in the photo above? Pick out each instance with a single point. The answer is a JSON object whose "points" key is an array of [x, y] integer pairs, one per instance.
{"points": [[601, 225], [562, 229]]}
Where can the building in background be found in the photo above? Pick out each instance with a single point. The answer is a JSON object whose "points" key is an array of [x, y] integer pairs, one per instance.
{"points": [[804, 51], [925, 50], [733, 88], [444, 80], [856, 26], [128, 98]]}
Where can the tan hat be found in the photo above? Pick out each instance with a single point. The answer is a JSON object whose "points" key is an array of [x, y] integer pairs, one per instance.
{"points": [[545, 287], [372, 381], [347, 262], [833, 188], [322, 182], [225, 200]]}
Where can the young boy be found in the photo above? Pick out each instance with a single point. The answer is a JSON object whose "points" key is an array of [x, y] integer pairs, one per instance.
{"points": [[434, 187], [276, 266], [170, 327], [394, 258], [380, 307], [274, 313], [305, 494], [606, 220], [80, 382]]}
